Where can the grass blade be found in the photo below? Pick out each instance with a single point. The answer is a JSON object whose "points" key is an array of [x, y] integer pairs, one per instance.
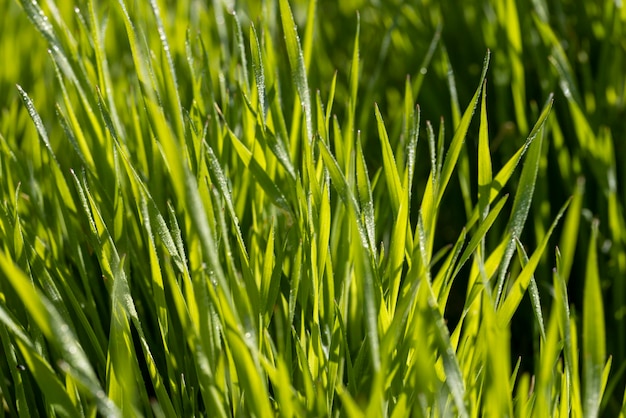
{"points": [[296, 62], [59, 332], [513, 299], [521, 206], [389, 164], [594, 338]]}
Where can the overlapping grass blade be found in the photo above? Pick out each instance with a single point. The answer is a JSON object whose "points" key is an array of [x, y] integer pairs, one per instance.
{"points": [[214, 256], [521, 206], [364, 190], [52, 325], [533, 291], [434, 192], [42, 371], [514, 297], [459, 135], [505, 173], [56, 168]]}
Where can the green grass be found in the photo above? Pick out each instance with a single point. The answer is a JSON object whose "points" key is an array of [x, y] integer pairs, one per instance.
{"points": [[312, 208]]}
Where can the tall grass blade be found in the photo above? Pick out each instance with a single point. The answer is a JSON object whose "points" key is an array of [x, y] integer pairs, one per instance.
{"points": [[296, 62], [521, 206], [594, 338], [392, 176], [514, 297]]}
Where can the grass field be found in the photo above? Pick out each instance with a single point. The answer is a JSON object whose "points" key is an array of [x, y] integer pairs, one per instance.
{"points": [[312, 208]]}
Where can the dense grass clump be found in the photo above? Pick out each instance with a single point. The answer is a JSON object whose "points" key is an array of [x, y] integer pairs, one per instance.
{"points": [[316, 208]]}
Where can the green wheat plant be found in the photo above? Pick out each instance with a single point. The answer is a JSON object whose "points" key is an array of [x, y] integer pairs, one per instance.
{"points": [[312, 208]]}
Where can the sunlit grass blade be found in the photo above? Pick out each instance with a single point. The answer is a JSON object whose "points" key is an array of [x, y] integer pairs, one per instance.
{"points": [[454, 377], [259, 71], [56, 168], [341, 185], [460, 132], [570, 232], [397, 251], [434, 192], [392, 176], [480, 233], [484, 159], [365, 253], [594, 338], [355, 71], [121, 379], [548, 370], [515, 53], [521, 206], [562, 310], [59, 332], [269, 186], [505, 173], [495, 347], [296, 62], [169, 73], [51, 387], [533, 291], [364, 190], [512, 300]]}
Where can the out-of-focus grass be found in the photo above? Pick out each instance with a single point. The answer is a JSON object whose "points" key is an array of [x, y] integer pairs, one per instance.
{"points": [[336, 211]]}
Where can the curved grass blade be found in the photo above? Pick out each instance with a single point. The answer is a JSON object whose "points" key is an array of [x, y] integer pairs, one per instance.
{"points": [[506, 171], [258, 171], [533, 291], [480, 234], [513, 299], [521, 207]]}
